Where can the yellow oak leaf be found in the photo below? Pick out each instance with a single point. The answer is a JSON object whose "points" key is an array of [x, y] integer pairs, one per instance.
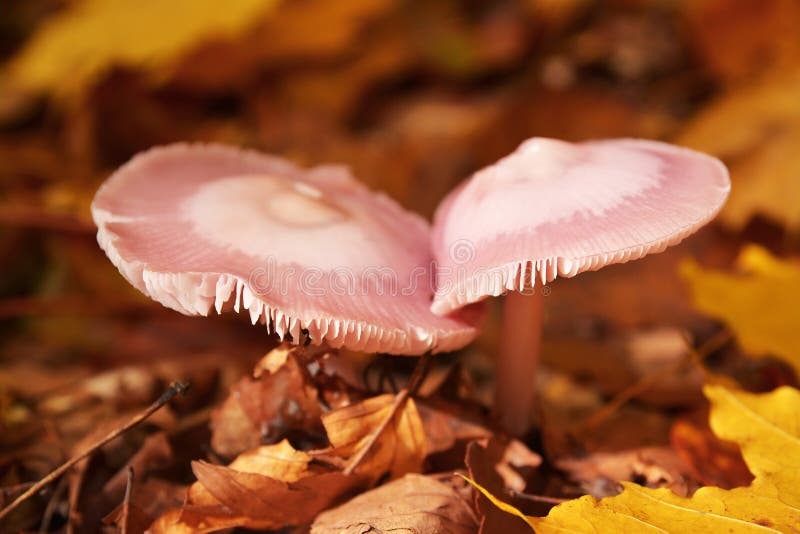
{"points": [[767, 429], [760, 304], [77, 44], [756, 131]]}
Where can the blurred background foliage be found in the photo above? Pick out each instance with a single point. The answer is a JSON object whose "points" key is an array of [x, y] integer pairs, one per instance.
{"points": [[414, 95]]}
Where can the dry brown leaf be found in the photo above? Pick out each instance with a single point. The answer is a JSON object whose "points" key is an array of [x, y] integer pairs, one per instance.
{"points": [[712, 461], [443, 429], [487, 464], [257, 501], [280, 461], [413, 504], [155, 452], [93, 490], [151, 498], [129, 518], [400, 449], [269, 488], [599, 474], [278, 399]]}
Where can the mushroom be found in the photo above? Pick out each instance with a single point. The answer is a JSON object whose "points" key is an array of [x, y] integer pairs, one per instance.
{"points": [[555, 208], [312, 254]]}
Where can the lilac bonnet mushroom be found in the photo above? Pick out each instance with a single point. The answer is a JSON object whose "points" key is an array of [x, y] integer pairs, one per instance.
{"points": [[553, 208], [304, 252]]}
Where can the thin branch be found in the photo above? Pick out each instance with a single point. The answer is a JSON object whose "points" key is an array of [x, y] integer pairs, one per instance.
{"points": [[126, 503], [7, 491], [536, 498], [52, 505], [174, 389]]}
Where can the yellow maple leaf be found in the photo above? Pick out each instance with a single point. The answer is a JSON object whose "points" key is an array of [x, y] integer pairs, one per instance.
{"points": [[756, 131], [760, 304], [767, 429], [74, 46]]}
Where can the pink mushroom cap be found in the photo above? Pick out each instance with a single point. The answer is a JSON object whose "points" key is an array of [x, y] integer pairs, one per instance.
{"points": [[314, 251], [555, 208]]}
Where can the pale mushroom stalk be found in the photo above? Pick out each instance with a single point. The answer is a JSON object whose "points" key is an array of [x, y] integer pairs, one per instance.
{"points": [[520, 352], [553, 208]]}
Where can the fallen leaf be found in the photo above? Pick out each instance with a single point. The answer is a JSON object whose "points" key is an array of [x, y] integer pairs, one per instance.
{"points": [[307, 32], [486, 463], [152, 498], [713, 462], [269, 488], [72, 48], [415, 504], [599, 474], [401, 447], [443, 429], [632, 426], [279, 398], [755, 130], [280, 461], [94, 489], [761, 424], [154, 453], [759, 305], [256, 501], [129, 518], [129, 386]]}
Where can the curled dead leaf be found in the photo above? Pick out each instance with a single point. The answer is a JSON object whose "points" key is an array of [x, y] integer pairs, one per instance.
{"points": [[415, 504], [444, 429], [599, 474], [279, 398], [269, 488], [492, 463]]}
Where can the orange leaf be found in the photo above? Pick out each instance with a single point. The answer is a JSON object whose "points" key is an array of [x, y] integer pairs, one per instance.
{"points": [[400, 449]]}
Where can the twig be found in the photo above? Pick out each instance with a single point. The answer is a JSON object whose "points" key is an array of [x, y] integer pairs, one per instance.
{"points": [[126, 502], [174, 389], [7, 491], [50, 509], [698, 355], [420, 370], [536, 498]]}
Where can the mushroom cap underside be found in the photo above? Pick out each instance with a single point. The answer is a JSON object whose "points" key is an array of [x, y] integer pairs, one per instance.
{"points": [[313, 252], [553, 208]]}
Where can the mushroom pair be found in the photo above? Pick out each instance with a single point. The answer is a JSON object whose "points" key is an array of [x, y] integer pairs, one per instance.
{"points": [[316, 256]]}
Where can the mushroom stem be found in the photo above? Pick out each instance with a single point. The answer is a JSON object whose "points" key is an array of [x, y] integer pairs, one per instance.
{"points": [[515, 386]]}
